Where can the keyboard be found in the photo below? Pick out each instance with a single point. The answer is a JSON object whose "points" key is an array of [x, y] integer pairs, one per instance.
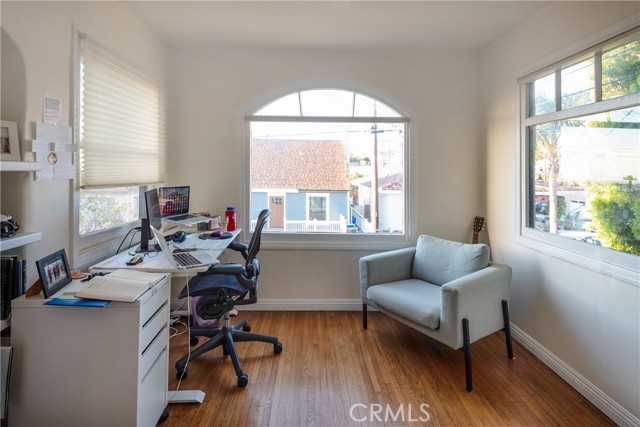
{"points": [[181, 217], [185, 259]]}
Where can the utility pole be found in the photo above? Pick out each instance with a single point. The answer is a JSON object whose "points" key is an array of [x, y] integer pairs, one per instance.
{"points": [[374, 181]]}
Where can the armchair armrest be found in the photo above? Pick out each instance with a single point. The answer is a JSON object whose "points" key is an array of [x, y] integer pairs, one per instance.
{"points": [[385, 267], [477, 297]]}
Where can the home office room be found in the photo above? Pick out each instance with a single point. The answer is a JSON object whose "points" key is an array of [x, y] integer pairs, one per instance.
{"points": [[415, 213]]}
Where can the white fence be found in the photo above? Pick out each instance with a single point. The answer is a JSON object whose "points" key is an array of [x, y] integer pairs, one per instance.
{"points": [[312, 226]]}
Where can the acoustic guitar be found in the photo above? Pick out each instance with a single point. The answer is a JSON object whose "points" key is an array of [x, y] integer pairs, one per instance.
{"points": [[478, 226]]}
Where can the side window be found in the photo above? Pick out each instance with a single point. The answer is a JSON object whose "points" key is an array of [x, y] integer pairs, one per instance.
{"points": [[581, 159]]}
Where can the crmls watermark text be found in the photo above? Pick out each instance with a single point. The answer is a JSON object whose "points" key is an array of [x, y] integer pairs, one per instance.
{"points": [[362, 412]]}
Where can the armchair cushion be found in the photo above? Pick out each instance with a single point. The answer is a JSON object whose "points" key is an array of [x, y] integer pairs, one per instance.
{"points": [[415, 300], [439, 261]]}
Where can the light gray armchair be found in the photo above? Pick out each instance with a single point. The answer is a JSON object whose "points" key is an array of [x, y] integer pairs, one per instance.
{"points": [[446, 290]]}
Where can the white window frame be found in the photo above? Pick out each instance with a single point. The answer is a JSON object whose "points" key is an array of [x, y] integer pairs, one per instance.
{"points": [[333, 241], [616, 264], [318, 195]]}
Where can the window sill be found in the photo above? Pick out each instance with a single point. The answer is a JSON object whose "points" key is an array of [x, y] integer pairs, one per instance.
{"points": [[617, 265], [342, 242]]}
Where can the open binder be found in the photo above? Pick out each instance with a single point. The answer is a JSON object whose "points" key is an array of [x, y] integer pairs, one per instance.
{"points": [[120, 285]]}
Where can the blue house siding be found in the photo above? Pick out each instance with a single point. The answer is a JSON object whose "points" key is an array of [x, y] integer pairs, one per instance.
{"points": [[259, 201], [338, 205], [296, 205]]}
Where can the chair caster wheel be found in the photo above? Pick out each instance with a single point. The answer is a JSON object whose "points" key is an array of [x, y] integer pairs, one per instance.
{"points": [[225, 352], [246, 328], [194, 340], [243, 380], [181, 374], [277, 348]]}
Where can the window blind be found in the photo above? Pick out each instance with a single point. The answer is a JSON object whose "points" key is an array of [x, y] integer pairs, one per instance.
{"points": [[122, 121]]}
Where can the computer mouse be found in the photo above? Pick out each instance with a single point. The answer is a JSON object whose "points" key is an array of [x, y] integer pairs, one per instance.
{"points": [[226, 235], [179, 236]]}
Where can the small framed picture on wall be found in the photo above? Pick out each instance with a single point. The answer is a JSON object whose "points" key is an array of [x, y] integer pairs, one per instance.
{"points": [[10, 148]]}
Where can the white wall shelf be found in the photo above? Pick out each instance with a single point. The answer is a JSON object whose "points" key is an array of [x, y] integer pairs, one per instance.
{"points": [[18, 166], [20, 239]]}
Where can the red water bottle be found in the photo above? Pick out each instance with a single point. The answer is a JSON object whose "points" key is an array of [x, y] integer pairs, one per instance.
{"points": [[230, 215]]}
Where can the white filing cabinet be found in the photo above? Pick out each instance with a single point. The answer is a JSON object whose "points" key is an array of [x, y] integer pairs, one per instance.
{"points": [[88, 366]]}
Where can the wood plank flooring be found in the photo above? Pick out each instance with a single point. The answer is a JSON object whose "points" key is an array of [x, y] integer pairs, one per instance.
{"points": [[334, 373]]}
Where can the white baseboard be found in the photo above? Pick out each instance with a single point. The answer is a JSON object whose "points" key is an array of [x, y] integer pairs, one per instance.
{"points": [[593, 394]]}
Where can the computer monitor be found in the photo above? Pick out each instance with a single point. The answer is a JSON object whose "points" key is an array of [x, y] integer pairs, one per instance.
{"points": [[153, 219], [153, 208], [173, 200]]}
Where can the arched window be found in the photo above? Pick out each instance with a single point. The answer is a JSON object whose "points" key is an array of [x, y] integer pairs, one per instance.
{"points": [[329, 162]]}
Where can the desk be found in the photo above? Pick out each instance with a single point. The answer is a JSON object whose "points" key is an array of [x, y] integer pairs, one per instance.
{"points": [[160, 264], [82, 366]]}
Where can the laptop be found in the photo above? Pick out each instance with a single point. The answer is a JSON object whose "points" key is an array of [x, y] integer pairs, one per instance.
{"points": [[173, 203], [183, 259]]}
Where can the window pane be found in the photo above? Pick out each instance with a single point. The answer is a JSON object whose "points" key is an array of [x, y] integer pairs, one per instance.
{"points": [[543, 95], [621, 70], [318, 208], [105, 208], [295, 161], [577, 84], [369, 107], [286, 106], [327, 102], [585, 179]]}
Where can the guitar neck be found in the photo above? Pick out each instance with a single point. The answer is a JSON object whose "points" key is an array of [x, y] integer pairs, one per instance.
{"points": [[478, 226]]}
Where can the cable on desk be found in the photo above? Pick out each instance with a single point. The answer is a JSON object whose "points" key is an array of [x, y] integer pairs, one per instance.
{"points": [[135, 229]]}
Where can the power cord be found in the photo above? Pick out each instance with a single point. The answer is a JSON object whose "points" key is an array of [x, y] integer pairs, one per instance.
{"points": [[134, 230], [186, 278]]}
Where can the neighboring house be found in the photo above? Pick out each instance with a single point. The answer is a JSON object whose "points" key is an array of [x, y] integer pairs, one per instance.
{"points": [[301, 197], [390, 190]]}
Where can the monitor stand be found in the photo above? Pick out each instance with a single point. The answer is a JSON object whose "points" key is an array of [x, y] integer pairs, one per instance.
{"points": [[144, 238]]}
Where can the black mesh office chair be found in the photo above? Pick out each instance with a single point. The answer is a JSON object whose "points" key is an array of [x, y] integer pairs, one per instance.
{"points": [[221, 288]]}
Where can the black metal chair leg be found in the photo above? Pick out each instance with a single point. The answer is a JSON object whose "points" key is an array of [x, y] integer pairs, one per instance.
{"points": [[231, 348], [507, 327], [364, 316], [214, 342], [242, 336], [467, 353]]}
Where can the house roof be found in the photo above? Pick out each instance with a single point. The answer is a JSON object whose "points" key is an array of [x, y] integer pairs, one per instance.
{"points": [[388, 183], [299, 164]]}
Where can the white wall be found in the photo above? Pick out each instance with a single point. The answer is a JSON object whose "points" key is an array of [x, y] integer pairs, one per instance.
{"points": [[36, 61], [587, 321], [213, 89]]}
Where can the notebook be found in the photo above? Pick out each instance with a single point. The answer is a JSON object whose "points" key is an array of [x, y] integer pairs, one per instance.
{"points": [[173, 203], [183, 259]]}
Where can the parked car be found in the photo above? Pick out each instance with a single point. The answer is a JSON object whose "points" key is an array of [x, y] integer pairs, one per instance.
{"points": [[582, 236]]}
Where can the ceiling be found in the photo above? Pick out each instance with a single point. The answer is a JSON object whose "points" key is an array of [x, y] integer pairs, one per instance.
{"points": [[342, 25]]}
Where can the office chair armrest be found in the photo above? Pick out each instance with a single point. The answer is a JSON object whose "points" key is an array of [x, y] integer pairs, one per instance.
{"points": [[238, 246], [234, 269]]}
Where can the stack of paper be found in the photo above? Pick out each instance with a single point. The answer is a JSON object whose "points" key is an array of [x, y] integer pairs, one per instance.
{"points": [[120, 285]]}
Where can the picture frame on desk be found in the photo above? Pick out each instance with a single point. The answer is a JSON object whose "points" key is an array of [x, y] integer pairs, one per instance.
{"points": [[54, 272], [9, 145]]}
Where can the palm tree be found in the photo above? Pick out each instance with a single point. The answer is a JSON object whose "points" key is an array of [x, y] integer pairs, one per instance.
{"points": [[630, 179], [547, 147]]}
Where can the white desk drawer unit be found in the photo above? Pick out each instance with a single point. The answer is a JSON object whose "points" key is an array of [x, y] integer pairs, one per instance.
{"points": [[87, 366]]}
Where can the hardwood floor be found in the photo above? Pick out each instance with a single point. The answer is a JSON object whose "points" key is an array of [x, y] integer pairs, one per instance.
{"points": [[334, 373]]}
